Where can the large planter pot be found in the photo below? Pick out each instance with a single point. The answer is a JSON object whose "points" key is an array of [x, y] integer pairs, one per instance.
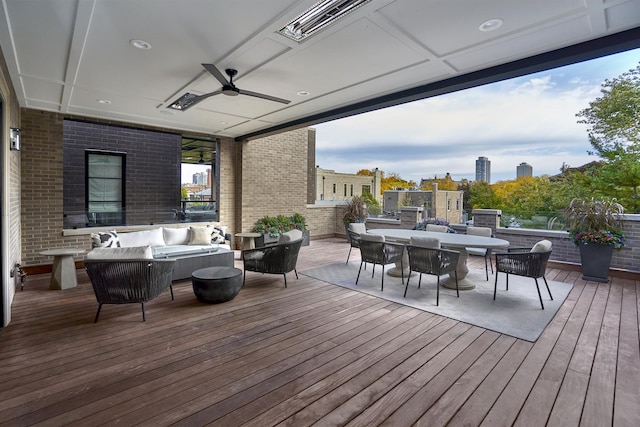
{"points": [[596, 259], [266, 240]]}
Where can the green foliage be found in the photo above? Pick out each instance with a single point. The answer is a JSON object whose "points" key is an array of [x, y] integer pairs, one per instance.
{"points": [[614, 135], [482, 196], [276, 225]]}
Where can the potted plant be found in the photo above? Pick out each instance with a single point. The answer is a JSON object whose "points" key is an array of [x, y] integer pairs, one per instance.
{"points": [[422, 225], [595, 226], [356, 211], [271, 227]]}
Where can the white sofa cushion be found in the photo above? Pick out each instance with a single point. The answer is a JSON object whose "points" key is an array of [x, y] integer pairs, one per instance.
{"points": [[141, 252], [180, 250], [176, 236], [151, 237]]}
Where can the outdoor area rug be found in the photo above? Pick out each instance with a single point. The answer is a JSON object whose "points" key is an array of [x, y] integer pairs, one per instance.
{"points": [[515, 312]]}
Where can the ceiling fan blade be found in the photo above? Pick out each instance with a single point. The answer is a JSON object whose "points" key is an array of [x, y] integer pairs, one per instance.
{"points": [[216, 73], [263, 96]]}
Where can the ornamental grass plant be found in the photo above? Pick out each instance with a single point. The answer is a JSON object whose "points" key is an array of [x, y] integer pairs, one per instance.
{"points": [[595, 221]]}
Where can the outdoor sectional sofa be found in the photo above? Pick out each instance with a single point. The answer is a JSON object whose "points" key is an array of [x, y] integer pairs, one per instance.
{"points": [[191, 247]]}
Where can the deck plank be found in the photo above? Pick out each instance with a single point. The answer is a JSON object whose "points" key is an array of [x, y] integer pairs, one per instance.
{"points": [[314, 353]]}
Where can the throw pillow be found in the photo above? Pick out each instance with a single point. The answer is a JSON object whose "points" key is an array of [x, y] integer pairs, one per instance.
{"points": [[142, 252], [200, 235], [542, 246], [290, 236], [218, 235], [105, 239]]}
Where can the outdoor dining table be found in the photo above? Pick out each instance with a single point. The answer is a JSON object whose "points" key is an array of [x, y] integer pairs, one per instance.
{"points": [[455, 241]]}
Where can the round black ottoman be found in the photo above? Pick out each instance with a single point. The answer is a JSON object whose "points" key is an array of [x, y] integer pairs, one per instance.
{"points": [[216, 284]]}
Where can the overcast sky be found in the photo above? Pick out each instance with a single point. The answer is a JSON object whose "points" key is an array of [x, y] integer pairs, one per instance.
{"points": [[528, 119]]}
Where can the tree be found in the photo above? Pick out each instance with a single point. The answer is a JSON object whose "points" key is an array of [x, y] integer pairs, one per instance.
{"points": [[393, 181], [613, 122], [482, 196], [365, 172]]}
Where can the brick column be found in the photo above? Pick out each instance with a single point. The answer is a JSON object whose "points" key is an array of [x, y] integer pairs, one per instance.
{"points": [[487, 218], [410, 216]]}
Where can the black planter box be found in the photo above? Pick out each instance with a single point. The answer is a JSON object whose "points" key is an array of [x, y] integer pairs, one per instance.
{"points": [[596, 259]]}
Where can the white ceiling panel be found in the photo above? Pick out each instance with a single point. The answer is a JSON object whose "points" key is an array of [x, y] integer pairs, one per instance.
{"points": [[64, 55]]}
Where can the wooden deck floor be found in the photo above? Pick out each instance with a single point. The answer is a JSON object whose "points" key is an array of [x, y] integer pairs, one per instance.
{"points": [[314, 353]]}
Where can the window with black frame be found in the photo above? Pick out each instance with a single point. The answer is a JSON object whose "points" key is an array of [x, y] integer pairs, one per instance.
{"points": [[105, 188]]}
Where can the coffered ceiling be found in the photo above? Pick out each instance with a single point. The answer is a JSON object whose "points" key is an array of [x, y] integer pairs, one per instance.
{"points": [[76, 56]]}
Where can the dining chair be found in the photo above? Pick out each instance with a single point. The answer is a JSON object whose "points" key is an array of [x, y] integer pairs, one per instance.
{"points": [[483, 252], [437, 228], [375, 250], [354, 230], [430, 259], [525, 262]]}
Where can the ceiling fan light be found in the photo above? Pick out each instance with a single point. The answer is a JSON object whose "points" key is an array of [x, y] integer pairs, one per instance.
{"points": [[229, 91], [318, 16]]}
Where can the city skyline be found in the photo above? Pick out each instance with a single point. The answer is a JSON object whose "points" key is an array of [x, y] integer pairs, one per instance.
{"points": [[528, 119]]}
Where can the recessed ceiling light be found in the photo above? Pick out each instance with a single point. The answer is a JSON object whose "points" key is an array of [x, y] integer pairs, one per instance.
{"points": [[491, 24], [303, 93], [168, 112], [104, 101], [140, 44]]}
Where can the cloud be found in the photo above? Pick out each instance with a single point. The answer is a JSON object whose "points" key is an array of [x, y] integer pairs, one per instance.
{"points": [[528, 119]]}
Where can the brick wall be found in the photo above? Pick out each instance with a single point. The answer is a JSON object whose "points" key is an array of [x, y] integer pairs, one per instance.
{"points": [[274, 177]]}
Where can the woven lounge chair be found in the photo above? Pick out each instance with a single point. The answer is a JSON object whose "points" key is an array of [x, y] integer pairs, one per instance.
{"points": [[280, 258], [129, 281]]}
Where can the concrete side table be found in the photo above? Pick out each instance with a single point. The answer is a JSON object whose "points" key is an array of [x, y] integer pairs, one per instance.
{"points": [[216, 284], [63, 272], [248, 240]]}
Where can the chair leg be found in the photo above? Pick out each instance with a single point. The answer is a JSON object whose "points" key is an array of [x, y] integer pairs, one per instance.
{"points": [[382, 285], [97, 313], [486, 268], [495, 287], [373, 270], [402, 272], [348, 255], [539, 295], [358, 278], [171, 288], [407, 285], [419, 280], [244, 277], [547, 285], [285, 279], [507, 280], [438, 291], [296, 271], [144, 318]]}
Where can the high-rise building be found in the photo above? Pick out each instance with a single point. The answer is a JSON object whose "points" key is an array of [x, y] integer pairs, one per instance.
{"points": [[524, 169], [483, 169], [199, 178]]}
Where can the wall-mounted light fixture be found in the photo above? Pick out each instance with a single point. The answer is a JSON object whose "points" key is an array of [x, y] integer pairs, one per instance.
{"points": [[14, 138]]}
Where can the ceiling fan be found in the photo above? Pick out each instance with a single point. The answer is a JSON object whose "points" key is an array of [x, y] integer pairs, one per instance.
{"points": [[228, 88]]}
